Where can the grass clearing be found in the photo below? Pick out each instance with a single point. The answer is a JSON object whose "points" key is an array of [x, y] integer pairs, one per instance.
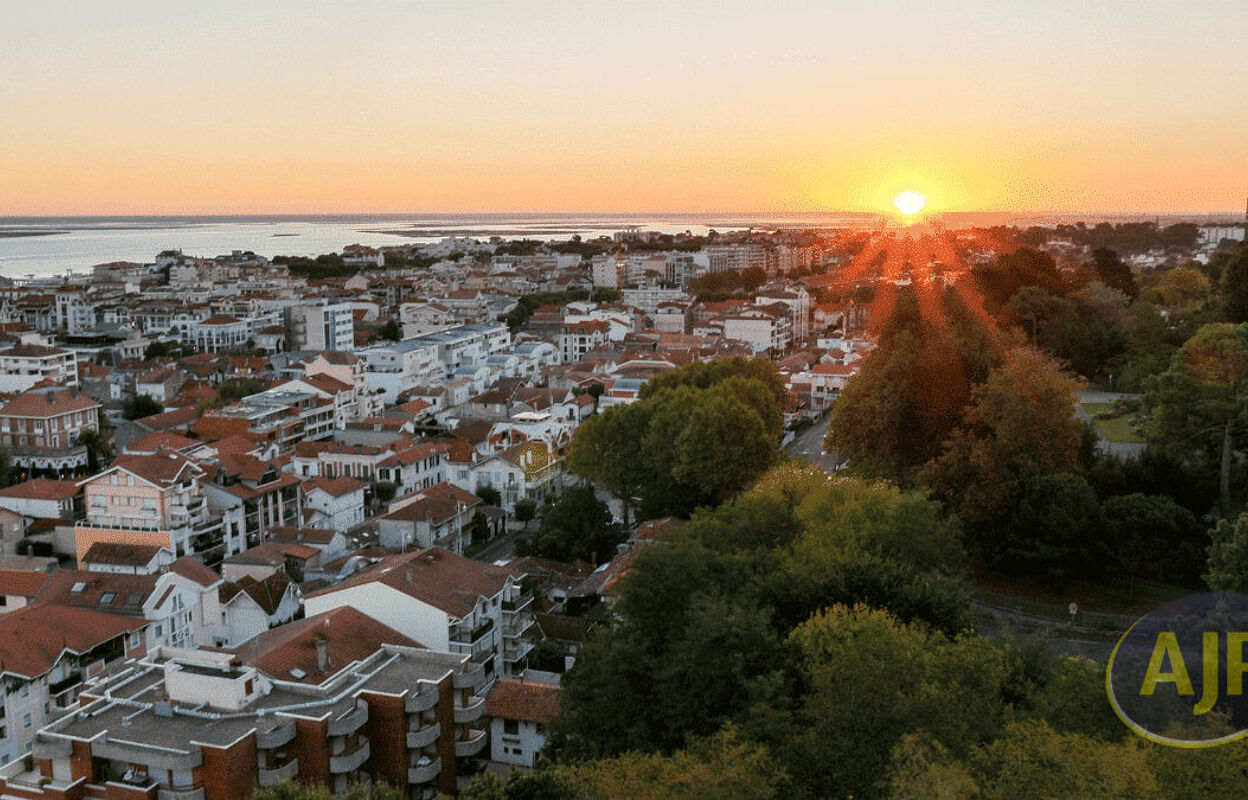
{"points": [[1114, 430]]}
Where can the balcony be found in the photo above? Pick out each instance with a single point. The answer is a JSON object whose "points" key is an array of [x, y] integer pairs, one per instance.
{"points": [[470, 711], [514, 651], [518, 604], [473, 744], [349, 722], [51, 747], [181, 793], [281, 733], [350, 762], [469, 677], [424, 773], [459, 635], [269, 777], [423, 737], [423, 700], [517, 625], [154, 757]]}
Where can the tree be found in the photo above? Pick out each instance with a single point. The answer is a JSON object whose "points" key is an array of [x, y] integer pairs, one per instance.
{"points": [[1054, 530], [526, 509], [1021, 423], [139, 406], [721, 767], [1201, 402], [391, 331], [1235, 286], [1151, 536], [289, 790], [489, 495], [1033, 760], [1111, 271], [6, 467], [607, 451], [479, 528], [1227, 568], [698, 436], [595, 391], [873, 679], [578, 527], [99, 451], [385, 491]]}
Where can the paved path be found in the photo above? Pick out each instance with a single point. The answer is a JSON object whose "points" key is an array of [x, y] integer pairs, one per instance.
{"points": [[809, 444]]}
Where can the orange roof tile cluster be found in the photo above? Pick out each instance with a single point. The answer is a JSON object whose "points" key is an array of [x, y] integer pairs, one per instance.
{"points": [[349, 636], [434, 576], [120, 554], [523, 700], [41, 489], [23, 583], [334, 487], [267, 593], [47, 401], [33, 638]]}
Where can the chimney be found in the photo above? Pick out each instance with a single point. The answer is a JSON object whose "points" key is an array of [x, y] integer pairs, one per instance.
{"points": [[322, 654], [409, 576]]}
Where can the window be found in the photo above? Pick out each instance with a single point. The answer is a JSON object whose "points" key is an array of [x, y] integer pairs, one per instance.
{"points": [[25, 690], [27, 721], [511, 726], [107, 598]]}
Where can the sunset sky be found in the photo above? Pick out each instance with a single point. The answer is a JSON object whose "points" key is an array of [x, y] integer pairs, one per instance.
{"points": [[287, 107]]}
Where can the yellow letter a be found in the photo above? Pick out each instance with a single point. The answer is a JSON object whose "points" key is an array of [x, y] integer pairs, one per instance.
{"points": [[1167, 645]]}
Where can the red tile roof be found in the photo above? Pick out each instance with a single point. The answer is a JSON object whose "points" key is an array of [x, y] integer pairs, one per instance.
{"points": [[161, 468], [47, 401], [334, 487], [151, 442], [434, 576], [192, 570], [220, 319], [267, 593], [349, 636], [33, 638], [41, 489], [523, 700], [273, 554], [119, 554], [24, 583]]}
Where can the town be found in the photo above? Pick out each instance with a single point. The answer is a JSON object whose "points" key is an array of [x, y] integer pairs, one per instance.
{"points": [[289, 514]]}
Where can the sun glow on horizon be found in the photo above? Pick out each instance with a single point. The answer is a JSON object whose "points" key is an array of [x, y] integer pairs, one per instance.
{"points": [[909, 202]]}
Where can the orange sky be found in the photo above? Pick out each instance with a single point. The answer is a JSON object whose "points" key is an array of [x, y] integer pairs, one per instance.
{"points": [[407, 106]]}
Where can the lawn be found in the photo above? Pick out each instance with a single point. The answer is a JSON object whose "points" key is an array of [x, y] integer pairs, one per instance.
{"points": [[1114, 430]]}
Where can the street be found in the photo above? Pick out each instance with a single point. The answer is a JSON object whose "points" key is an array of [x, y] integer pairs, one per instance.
{"points": [[809, 443]]}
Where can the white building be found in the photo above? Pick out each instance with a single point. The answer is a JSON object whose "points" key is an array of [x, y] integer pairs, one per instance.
{"points": [[520, 712], [445, 602], [24, 365]]}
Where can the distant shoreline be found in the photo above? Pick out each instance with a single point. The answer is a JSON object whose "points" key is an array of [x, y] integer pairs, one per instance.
{"points": [[23, 234]]}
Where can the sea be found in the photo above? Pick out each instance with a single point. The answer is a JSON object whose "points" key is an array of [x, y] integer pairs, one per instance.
{"points": [[46, 246]]}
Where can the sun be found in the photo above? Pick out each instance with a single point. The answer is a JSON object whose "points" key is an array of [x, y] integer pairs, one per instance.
{"points": [[909, 202]]}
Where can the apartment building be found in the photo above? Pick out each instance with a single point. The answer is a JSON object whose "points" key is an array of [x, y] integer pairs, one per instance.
{"points": [[24, 365], [47, 651], [157, 499], [41, 428], [446, 602], [219, 333], [438, 515], [318, 701], [319, 327]]}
